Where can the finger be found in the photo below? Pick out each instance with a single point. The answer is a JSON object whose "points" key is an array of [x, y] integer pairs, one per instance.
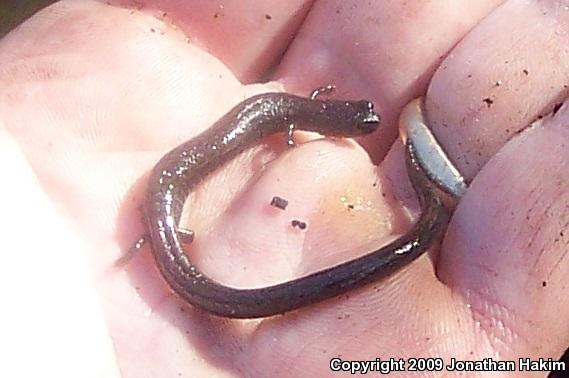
{"points": [[499, 79], [494, 254], [248, 36], [153, 80], [509, 242], [384, 50]]}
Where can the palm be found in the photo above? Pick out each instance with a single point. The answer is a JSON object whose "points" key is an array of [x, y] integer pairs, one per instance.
{"points": [[93, 104]]}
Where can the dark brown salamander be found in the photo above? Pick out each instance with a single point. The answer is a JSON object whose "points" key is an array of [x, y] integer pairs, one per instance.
{"points": [[180, 170]]}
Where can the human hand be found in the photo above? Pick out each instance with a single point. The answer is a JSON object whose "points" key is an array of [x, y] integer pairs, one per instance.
{"points": [[92, 95]]}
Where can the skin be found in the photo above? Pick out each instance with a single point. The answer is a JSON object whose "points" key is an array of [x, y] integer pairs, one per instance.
{"points": [[79, 131]]}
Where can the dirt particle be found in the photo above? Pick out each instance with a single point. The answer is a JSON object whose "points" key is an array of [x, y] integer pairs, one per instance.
{"points": [[544, 283], [556, 107], [279, 203], [216, 15], [268, 17], [299, 224], [488, 101], [525, 71]]}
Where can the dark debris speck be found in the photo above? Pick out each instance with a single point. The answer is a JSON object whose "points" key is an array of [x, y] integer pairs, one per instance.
{"points": [[300, 224], [279, 202]]}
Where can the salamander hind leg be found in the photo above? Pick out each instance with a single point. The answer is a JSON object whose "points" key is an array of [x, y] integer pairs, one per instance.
{"points": [[289, 137], [132, 251]]}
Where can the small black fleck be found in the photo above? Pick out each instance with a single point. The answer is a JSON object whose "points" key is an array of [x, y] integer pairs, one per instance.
{"points": [[544, 283], [216, 15], [296, 223], [556, 107], [152, 30], [268, 17], [351, 207], [488, 101], [525, 71], [279, 203]]}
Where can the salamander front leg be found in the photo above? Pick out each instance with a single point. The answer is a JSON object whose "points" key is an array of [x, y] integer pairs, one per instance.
{"points": [[326, 90]]}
